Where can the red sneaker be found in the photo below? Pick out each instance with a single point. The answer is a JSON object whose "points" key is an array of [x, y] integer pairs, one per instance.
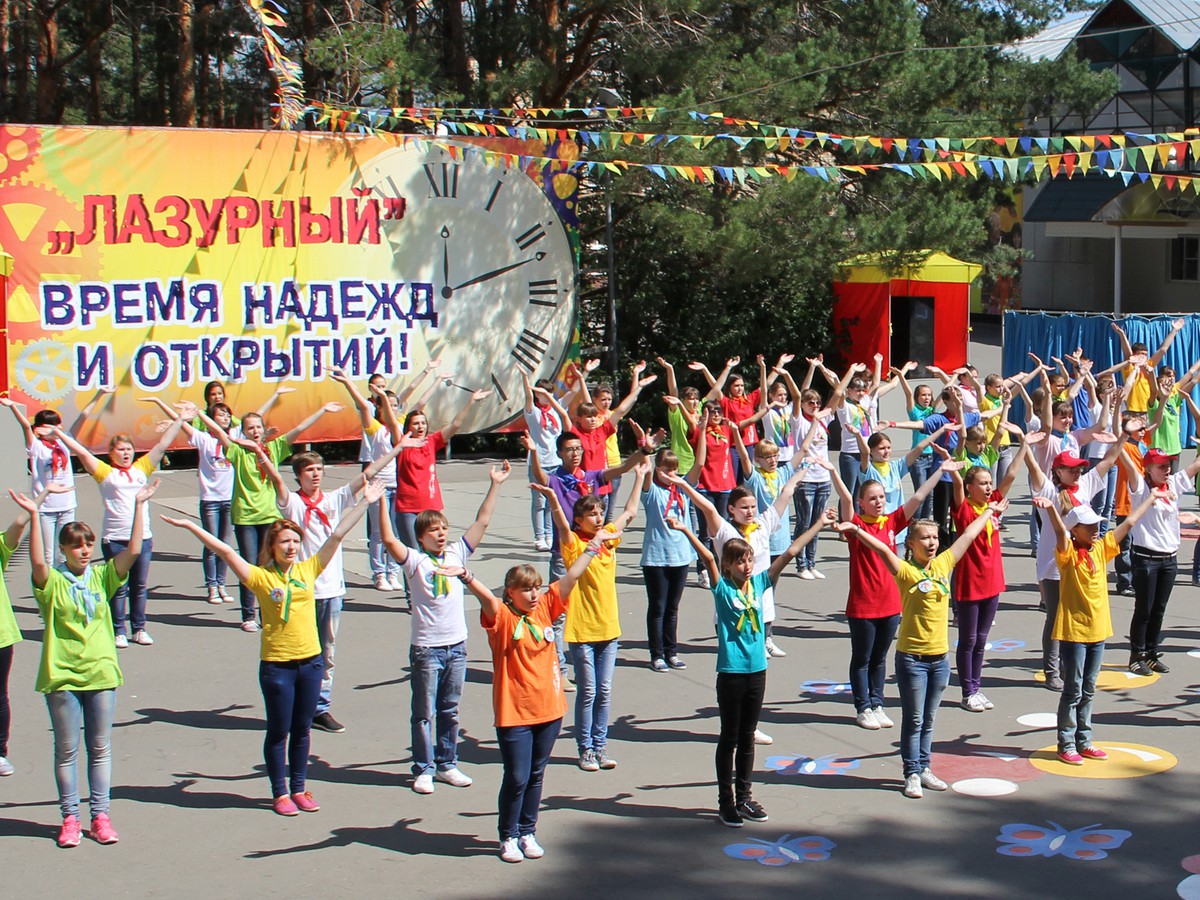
{"points": [[71, 832], [284, 806], [102, 830], [1093, 753], [306, 802]]}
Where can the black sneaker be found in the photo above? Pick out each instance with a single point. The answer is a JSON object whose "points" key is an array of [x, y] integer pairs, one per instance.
{"points": [[1157, 665], [326, 722], [749, 810], [728, 815], [1139, 666]]}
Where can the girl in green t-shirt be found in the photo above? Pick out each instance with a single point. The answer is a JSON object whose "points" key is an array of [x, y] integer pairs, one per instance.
{"points": [[78, 672]]}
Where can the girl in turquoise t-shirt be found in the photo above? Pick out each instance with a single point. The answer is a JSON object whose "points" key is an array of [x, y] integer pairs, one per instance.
{"points": [[78, 672], [741, 661]]}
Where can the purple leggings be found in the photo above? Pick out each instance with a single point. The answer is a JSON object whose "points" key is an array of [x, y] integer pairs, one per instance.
{"points": [[974, 622]]}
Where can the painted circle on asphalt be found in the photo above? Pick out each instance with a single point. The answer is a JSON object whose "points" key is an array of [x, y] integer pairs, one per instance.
{"points": [[1124, 761]]}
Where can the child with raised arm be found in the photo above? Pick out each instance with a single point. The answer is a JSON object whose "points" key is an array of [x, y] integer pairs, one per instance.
{"points": [[923, 642], [437, 654], [738, 592], [289, 672], [527, 696], [253, 508], [78, 671], [318, 514], [593, 624], [49, 463], [1083, 622], [120, 480]]}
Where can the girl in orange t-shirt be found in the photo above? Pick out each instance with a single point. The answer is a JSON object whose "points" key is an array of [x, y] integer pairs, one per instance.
{"points": [[527, 693]]}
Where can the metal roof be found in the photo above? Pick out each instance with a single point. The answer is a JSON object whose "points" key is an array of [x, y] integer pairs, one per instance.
{"points": [[1178, 20]]}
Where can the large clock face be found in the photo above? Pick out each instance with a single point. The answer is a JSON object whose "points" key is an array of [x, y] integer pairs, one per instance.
{"points": [[502, 269]]}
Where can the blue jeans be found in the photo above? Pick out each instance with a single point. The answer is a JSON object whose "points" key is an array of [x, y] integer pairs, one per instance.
{"points": [[809, 500], [52, 523], [524, 750], [438, 674], [381, 561], [329, 617], [214, 516], [543, 522], [919, 473], [133, 592], [1080, 666], [249, 540], [594, 664], [95, 709], [290, 691], [921, 681], [870, 640]]}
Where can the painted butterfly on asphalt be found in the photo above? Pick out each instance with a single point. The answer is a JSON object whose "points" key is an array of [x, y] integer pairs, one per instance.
{"points": [[1088, 843], [829, 764], [783, 851]]}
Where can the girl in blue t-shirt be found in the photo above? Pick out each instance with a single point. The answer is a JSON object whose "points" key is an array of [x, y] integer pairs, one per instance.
{"points": [[666, 559], [741, 661]]}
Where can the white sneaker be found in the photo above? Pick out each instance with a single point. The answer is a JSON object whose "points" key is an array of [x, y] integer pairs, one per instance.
{"points": [[381, 583], [773, 649], [423, 784], [121, 641], [912, 787], [396, 583], [866, 719], [761, 737], [142, 636], [973, 703], [931, 781], [530, 848], [454, 777], [816, 574], [882, 718], [510, 852], [987, 704], [807, 574]]}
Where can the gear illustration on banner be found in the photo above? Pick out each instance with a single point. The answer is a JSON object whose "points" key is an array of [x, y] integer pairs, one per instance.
{"points": [[44, 370], [18, 149]]}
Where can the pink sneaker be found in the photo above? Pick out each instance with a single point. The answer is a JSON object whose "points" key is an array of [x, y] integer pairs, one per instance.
{"points": [[306, 802], [285, 806], [1070, 757], [102, 830], [71, 832], [1093, 753]]}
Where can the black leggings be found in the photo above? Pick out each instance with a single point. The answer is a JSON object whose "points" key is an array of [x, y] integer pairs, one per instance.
{"points": [[739, 698]]}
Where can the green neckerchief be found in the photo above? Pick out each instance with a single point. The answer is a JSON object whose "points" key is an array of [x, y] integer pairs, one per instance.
{"points": [[745, 601], [278, 594]]}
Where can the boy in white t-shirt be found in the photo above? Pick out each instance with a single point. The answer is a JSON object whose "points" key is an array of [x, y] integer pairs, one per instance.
{"points": [[438, 652], [318, 513]]}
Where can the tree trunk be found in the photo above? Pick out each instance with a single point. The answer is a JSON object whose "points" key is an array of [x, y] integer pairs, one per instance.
{"points": [[185, 75]]}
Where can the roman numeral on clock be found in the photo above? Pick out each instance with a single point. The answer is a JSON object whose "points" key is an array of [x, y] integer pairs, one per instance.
{"points": [[527, 239], [530, 350], [443, 179], [544, 292]]}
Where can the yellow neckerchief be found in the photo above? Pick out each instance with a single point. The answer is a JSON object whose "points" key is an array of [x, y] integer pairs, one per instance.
{"points": [[980, 509], [745, 601], [770, 481], [278, 595]]}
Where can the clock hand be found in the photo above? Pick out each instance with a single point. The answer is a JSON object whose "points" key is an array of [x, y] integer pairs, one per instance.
{"points": [[447, 291], [495, 273]]}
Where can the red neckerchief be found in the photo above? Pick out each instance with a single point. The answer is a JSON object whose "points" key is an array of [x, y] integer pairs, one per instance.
{"points": [[674, 497], [581, 483], [58, 456], [312, 506], [1083, 555]]}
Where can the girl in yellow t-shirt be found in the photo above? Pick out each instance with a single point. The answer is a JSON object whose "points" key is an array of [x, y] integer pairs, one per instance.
{"points": [[923, 643], [593, 623], [291, 667], [1083, 621]]}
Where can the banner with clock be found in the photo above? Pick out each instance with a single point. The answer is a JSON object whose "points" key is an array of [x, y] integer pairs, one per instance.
{"points": [[152, 261]]}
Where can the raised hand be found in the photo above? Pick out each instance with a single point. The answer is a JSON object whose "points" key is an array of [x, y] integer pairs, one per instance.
{"points": [[499, 474]]}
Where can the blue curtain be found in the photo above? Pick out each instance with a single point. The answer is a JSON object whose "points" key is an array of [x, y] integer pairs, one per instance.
{"points": [[1054, 335]]}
